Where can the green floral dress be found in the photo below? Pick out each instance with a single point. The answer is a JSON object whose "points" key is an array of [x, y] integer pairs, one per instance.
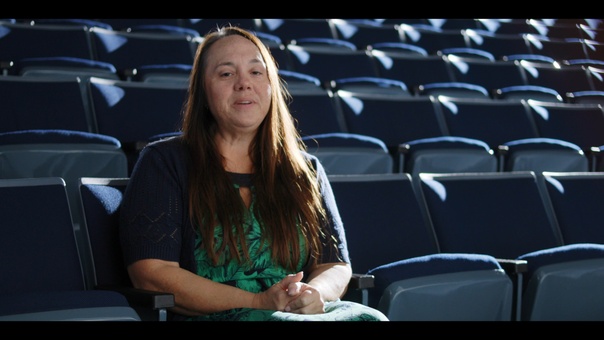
{"points": [[261, 274]]}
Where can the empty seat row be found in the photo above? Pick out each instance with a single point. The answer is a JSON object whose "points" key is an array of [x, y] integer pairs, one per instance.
{"points": [[424, 230], [384, 110], [132, 112], [48, 278], [131, 52]]}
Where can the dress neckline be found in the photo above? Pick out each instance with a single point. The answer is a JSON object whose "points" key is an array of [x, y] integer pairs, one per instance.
{"points": [[239, 179]]}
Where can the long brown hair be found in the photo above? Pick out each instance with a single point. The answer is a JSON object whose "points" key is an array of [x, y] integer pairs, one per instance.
{"points": [[287, 192]]}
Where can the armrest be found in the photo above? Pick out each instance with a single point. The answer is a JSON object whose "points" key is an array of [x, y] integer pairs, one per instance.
{"points": [[361, 281], [146, 302], [513, 266], [514, 269], [358, 288]]}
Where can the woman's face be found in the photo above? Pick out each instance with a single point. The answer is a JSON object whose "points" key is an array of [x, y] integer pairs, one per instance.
{"points": [[237, 85]]}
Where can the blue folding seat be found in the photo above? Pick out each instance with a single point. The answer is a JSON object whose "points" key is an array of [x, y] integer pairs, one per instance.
{"points": [[560, 77], [371, 85], [586, 97], [526, 92], [203, 26], [365, 33], [46, 281], [453, 89], [506, 215], [86, 23], [557, 48], [66, 154], [64, 67], [20, 40], [392, 118], [312, 106], [580, 124], [411, 66], [414, 281], [498, 44], [431, 38], [329, 59], [348, 153], [446, 154], [295, 28], [576, 198], [483, 69], [541, 154], [134, 111], [44, 103], [128, 51], [492, 121], [100, 199], [124, 24], [507, 26]]}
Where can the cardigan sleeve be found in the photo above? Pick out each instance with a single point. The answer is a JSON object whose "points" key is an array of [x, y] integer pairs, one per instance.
{"points": [[153, 212]]}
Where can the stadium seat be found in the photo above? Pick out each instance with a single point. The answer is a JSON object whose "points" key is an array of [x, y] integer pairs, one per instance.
{"points": [[46, 281], [100, 199], [348, 153], [414, 281], [505, 215]]}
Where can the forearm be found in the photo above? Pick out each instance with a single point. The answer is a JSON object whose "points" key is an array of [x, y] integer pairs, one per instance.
{"points": [[193, 295], [331, 279]]}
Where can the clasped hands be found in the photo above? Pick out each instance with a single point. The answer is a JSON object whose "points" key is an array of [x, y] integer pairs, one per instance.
{"points": [[293, 296]]}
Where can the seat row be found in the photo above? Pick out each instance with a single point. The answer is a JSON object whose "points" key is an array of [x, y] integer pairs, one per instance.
{"points": [[134, 112], [477, 246], [60, 274], [381, 108], [136, 53], [49, 267], [469, 246], [432, 34]]}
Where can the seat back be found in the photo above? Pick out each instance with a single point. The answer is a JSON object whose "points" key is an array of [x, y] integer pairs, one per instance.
{"points": [[542, 154], [526, 92], [134, 111], [454, 89], [21, 40], [446, 154], [413, 69], [66, 154], [365, 32], [329, 59], [101, 199], [498, 44], [562, 78], [490, 74], [130, 50], [576, 198], [40, 252], [292, 28], [312, 106], [580, 124], [393, 119], [397, 245], [496, 213], [431, 38], [559, 49], [44, 103], [507, 215], [348, 153], [492, 121], [395, 233]]}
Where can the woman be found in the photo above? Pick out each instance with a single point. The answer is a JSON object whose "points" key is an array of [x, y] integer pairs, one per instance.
{"points": [[234, 217]]}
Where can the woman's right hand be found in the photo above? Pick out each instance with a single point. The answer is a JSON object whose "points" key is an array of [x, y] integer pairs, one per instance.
{"points": [[277, 296]]}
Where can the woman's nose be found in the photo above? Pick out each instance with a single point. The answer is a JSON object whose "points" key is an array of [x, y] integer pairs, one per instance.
{"points": [[243, 82]]}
